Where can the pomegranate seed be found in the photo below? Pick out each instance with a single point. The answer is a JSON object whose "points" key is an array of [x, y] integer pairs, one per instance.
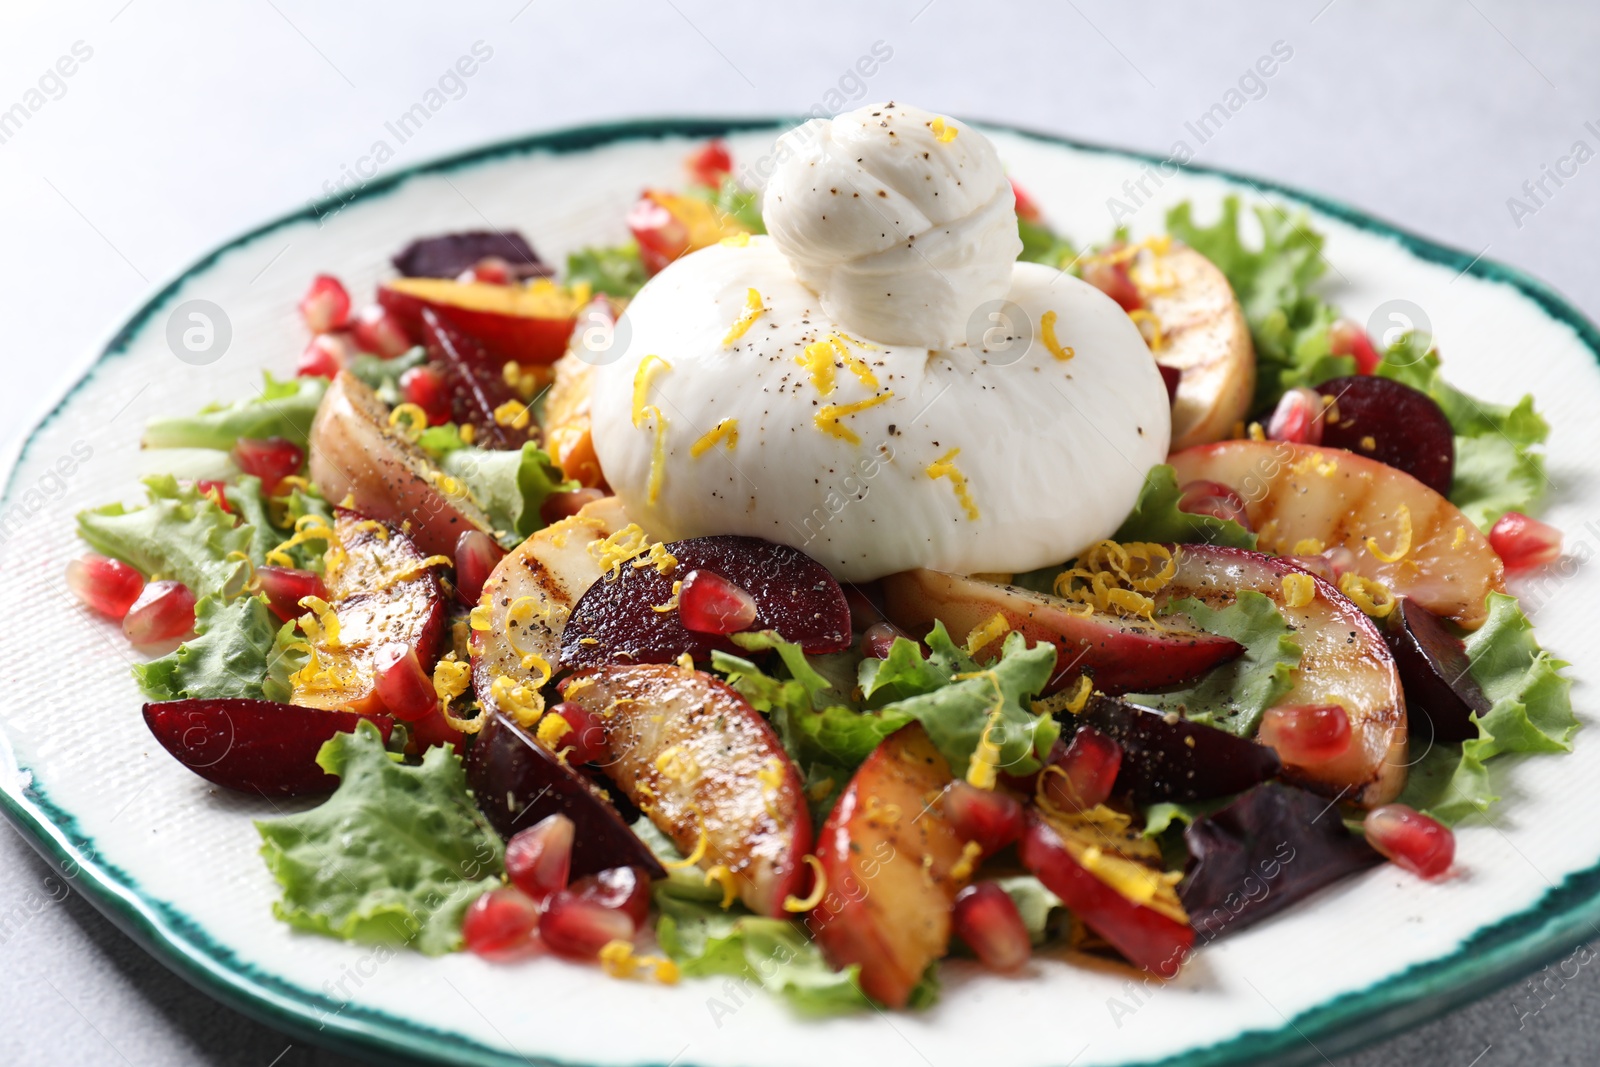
{"points": [[163, 612], [1170, 377], [402, 684], [1297, 418], [378, 332], [1027, 210], [325, 356], [1422, 845], [1214, 499], [326, 305], [477, 555], [1113, 280], [558, 506], [490, 270], [1524, 544], [586, 736], [986, 918], [710, 165], [879, 639], [991, 818], [207, 486], [425, 387], [501, 924], [285, 587], [1346, 338], [107, 586], [578, 928], [539, 859], [710, 604], [272, 459], [1088, 769], [623, 889], [431, 731], [1306, 734]]}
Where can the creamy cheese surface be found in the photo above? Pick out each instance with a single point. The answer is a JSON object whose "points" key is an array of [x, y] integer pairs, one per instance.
{"points": [[782, 423]]}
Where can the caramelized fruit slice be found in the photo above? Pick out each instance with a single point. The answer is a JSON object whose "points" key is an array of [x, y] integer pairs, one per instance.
{"points": [[891, 869], [254, 746], [527, 323], [1205, 338], [707, 770], [1392, 423], [1120, 653], [518, 783], [1441, 693], [1171, 759], [616, 621]]}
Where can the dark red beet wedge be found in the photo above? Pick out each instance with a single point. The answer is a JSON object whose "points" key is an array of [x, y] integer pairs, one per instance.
{"points": [[1392, 423], [1441, 693], [1167, 758], [616, 621], [254, 746], [1270, 848], [447, 255], [518, 782]]}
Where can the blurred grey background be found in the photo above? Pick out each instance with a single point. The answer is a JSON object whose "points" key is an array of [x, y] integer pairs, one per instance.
{"points": [[184, 123]]}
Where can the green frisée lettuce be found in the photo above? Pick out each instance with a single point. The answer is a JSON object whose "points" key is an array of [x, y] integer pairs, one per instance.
{"points": [[227, 657], [615, 271], [394, 857], [282, 409], [1234, 696], [510, 485], [179, 535], [1156, 517], [1531, 711]]}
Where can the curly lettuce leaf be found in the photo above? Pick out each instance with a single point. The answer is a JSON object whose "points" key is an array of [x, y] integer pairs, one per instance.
{"points": [[1288, 322], [1234, 695], [179, 535], [1156, 517], [394, 857], [227, 657], [283, 409], [510, 485], [615, 271], [1034, 902], [730, 200], [381, 375], [1530, 711], [1041, 244]]}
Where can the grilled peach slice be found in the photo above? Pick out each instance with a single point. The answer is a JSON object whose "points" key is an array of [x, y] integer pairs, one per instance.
{"points": [[1344, 660], [356, 455], [529, 595], [526, 323], [892, 862], [566, 422], [1121, 654], [382, 590], [1402, 533], [708, 771], [1204, 335]]}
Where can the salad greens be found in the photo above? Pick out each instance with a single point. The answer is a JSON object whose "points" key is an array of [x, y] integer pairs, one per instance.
{"points": [[615, 271], [229, 655], [283, 409], [394, 857], [511, 486], [1156, 517], [179, 534]]}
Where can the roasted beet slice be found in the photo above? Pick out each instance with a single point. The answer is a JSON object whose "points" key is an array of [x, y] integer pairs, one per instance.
{"points": [[518, 782], [616, 621], [1167, 758], [254, 746], [1441, 693], [477, 386], [1270, 848], [447, 255], [1394, 424]]}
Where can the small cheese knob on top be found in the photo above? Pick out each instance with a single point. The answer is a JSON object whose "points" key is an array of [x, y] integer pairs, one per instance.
{"points": [[901, 221]]}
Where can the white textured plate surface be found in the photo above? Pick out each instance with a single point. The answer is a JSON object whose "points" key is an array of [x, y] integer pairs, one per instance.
{"points": [[176, 859]]}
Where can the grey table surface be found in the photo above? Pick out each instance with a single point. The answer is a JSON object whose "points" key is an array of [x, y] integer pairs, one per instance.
{"points": [[188, 122]]}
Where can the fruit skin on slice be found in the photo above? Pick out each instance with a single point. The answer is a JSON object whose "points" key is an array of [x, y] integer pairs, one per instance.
{"points": [[1204, 335], [382, 591], [530, 594], [890, 858], [704, 766], [254, 746], [1302, 492], [356, 454], [517, 783], [528, 323], [616, 621], [1121, 654], [567, 424], [1344, 660]]}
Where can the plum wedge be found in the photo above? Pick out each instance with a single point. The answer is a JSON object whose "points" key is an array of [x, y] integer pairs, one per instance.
{"points": [[708, 771], [253, 746], [356, 454], [1344, 660], [1203, 336], [382, 591], [1403, 534], [1120, 654], [890, 858]]}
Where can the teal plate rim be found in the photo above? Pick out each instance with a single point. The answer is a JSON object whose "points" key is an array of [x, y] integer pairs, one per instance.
{"points": [[1492, 957]]}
